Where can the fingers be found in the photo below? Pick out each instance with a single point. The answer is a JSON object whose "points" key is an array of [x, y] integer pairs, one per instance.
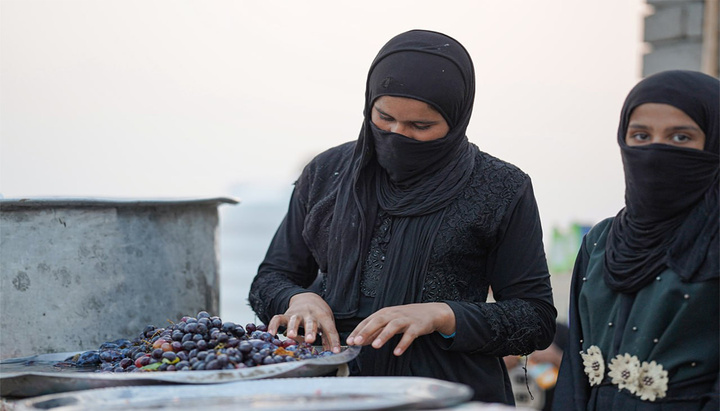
{"points": [[275, 323], [331, 338], [292, 326], [310, 330]]}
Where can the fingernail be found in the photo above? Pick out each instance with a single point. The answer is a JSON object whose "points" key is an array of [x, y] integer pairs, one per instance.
{"points": [[336, 350], [397, 352], [350, 340], [358, 340], [377, 343]]}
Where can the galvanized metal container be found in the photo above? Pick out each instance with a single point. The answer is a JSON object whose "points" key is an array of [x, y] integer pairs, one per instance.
{"points": [[75, 273]]}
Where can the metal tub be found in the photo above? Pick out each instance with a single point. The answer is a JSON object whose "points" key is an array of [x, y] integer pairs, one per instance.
{"points": [[75, 273]]}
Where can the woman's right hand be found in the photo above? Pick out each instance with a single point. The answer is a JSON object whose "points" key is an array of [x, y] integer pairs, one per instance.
{"points": [[311, 312]]}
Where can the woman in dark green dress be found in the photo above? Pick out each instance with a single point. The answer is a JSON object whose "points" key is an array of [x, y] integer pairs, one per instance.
{"points": [[644, 297]]}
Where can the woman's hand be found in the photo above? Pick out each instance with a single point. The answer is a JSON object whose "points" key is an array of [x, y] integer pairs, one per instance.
{"points": [[411, 320], [311, 312]]}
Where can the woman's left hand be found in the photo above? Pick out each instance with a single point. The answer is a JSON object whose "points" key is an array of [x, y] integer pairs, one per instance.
{"points": [[411, 320]]}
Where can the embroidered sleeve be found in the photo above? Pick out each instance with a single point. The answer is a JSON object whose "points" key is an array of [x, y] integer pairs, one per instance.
{"points": [[513, 327]]}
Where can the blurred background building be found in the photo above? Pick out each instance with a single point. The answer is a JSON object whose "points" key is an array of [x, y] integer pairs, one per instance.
{"points": [[681, 34]]}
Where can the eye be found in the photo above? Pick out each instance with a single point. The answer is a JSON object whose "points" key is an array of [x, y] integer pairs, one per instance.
{"points": [[681, 138], [421, 127], [639, 136]]}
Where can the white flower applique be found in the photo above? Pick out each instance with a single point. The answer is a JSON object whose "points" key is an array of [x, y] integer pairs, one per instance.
{"points": [[594, 364], [652, 381], [624, 371]]}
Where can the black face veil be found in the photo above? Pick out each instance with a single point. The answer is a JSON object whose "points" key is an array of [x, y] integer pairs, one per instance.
{"points": [[670, 217]]}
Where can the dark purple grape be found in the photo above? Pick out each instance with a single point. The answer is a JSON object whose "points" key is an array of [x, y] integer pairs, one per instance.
{"points": [[186, 337], [250, 327], [126, 362], [157, 353], [245, 347], [257, 343], [202, 355], [212, 365], [88, 358], [108, 346], [262, 327], [110, 356], [169, 355], [203, 314]]}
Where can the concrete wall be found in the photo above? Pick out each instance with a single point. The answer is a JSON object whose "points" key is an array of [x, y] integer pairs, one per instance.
{"points": [[674, 32], [74, 275]]}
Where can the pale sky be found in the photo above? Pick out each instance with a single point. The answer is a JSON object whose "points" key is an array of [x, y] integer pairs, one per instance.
{"points": [[145, 98]]}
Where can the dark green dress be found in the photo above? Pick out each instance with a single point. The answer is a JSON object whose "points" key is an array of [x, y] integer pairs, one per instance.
{"points": [[669, 322]]}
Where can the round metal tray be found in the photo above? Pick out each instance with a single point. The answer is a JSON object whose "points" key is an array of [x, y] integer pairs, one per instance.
{"points": [[37, 375], [290, 394]]}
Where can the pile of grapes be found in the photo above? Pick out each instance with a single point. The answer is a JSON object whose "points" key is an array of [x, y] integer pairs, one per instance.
{"points": [[203, 342]]}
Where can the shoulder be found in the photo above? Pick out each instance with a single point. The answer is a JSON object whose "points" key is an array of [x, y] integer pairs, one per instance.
{"points": [[599, 231], [494, 170], [323, 172], [496, 178], [489, 163], [332, 158]]}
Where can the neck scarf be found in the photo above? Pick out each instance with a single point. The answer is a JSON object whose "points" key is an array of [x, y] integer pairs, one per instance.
{"points": [[670, 217], [429, 67]]}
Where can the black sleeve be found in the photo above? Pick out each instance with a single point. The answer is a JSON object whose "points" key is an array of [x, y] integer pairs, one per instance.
{"points": [[572, 388], [522, 319], [288, 268]]}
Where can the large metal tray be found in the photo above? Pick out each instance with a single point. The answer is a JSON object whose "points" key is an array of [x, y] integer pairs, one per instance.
{"points": [[292, 394], [36, 375]]}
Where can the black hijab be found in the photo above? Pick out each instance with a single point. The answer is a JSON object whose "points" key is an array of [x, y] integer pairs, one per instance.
{"points": [[421, 179], [670, 217]]}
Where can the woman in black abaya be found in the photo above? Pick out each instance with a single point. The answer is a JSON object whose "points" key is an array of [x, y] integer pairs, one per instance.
{"points": [[644, 310], [391, 242]]}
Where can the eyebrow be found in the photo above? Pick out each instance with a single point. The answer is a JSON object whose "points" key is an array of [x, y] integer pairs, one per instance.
{"points": [[413, 121], [676, 128]]}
